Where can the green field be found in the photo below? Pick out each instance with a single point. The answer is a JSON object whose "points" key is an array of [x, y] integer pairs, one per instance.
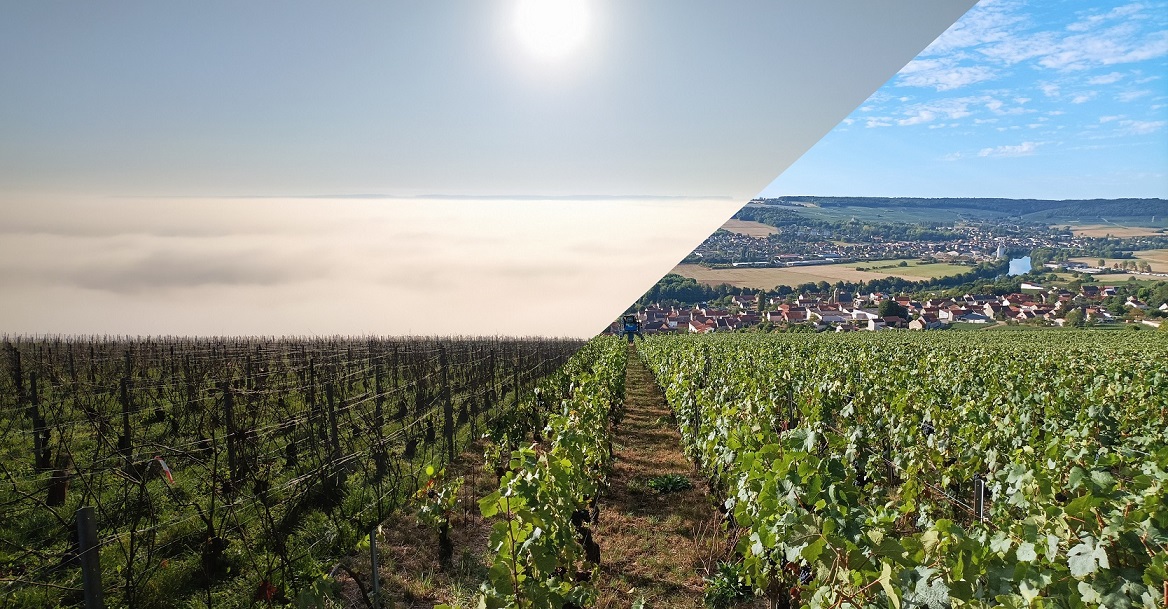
{"points": [[915, 268]]}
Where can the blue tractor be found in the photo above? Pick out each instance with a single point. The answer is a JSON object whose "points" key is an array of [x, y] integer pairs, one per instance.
{"points": [[631, 327]]}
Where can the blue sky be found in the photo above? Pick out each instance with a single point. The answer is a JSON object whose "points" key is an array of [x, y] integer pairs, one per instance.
{"points": [[1051, 99]]}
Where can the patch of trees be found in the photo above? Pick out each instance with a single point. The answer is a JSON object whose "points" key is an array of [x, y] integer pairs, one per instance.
{"points": [[852, 231], [675, 289]]}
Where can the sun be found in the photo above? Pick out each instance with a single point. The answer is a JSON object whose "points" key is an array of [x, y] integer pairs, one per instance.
{"points": [[550, 29]]}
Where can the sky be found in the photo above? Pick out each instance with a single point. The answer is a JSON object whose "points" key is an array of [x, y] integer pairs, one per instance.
{"points": [[401, 167], [1051, 99]]}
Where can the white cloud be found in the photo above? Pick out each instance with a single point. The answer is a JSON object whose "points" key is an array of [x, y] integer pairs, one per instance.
{"points": [[942, 74], [1112, 46], [1128, 96], [986, 22], [1108, 119], [1000, 34], [922, 116], [1142, 127], [1119, 12], [1084, 97], [1023, 149], [1105, 79], [947, 109], [1021, 47]]}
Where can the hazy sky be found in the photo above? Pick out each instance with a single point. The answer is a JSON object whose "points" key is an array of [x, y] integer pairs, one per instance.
{"points": [[283, 168], [1047, 99]]}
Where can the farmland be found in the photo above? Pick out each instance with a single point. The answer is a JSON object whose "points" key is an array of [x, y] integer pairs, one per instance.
{"points": [[1113, 230], [1158, 259], [933, 469], [885, 469], [768, 278], [746, 227], [226, 470]]}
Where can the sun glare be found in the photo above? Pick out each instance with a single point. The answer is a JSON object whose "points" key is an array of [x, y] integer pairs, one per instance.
{"points": [[550, 29]]}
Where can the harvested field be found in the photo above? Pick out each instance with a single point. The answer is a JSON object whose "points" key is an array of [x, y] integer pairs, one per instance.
{"points": [[1103, 230], [1157, 258], [768, 278], [751, 229]]}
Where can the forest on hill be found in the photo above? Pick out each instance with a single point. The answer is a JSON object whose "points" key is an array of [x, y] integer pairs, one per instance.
{"points": [[1030, 209]]}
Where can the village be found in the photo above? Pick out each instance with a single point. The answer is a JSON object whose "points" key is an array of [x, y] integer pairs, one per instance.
{"points": [[845, 312], [804, 246]]}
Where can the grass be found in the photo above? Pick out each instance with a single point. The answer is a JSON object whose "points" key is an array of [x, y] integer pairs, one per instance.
{"points": [[1125, 279], [916, 268], [670, 483], [655, 546], [408, 551]]}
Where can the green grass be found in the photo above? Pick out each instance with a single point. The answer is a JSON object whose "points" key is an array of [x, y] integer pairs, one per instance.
{"points": [[1125, 279], [915, 268]]}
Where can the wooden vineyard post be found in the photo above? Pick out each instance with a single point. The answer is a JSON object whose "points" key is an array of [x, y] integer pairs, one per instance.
{"points": [[379, 428], [378, 400], [447, 405], [90, 563], [334, 432], [40, 435], [229, 415], [124, 445], [979, 497], [475, 409], [515, 375], [17, 375], [495, 398], [374, 568]]}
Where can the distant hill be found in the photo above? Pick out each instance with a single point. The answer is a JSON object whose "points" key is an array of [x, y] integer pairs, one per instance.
{"points": [[1034, 210]]}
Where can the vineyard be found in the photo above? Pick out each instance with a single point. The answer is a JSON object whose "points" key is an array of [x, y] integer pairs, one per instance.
{"points": [[877, 470], [933, 470], [222, 472]]}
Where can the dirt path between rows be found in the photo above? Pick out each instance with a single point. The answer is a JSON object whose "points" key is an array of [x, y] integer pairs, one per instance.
{"points": [[653, 545]]}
